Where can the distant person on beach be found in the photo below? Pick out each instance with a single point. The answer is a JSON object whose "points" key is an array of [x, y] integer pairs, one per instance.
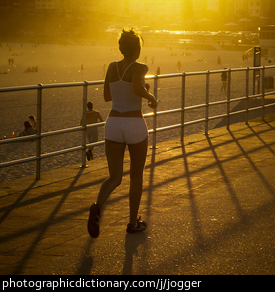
{"points": [[11, 62], [158, 71], [125, 87], [29, 130], [32, 121], [93, 117], [245, 57], [224, 80], [31, 69], [179, 66], [145, 59]]}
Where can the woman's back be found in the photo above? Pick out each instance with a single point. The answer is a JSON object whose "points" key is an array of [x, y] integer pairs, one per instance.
{"points": [[123, 97]]}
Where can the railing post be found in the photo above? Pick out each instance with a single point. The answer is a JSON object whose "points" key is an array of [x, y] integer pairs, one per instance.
{"points": [[84, 123], [154, 146], [263, 93], [182, 105], [38, 140], [228, 97], [247, 95], [207, 103]]}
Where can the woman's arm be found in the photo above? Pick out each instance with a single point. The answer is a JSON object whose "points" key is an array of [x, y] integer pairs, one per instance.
{"points": [[139, 88], [107, 91]]}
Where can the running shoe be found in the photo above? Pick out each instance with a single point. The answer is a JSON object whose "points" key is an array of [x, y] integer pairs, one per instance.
{"points": [[141, 226], [93, 222]]}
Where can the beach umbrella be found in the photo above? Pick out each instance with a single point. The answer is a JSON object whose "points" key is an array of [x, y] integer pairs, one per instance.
{"points": [[244, 20], [204, 20], [231, 24]]}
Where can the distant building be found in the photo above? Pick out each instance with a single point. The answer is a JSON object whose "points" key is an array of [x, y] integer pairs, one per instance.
{"points": [[159, 11], [169, 11], [248, 8], [213, 5], [255, 8], [68, 6], [48, 5], [17, 6], [238, 8], [166, 12]]}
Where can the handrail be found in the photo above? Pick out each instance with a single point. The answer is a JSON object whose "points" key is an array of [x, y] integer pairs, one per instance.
{"points": [[182, 123]]}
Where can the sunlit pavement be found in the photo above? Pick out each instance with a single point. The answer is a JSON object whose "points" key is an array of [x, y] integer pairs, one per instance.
{"points": [[209, 205]]}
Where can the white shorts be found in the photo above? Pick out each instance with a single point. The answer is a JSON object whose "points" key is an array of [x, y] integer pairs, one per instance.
{"points": [[92, 135], [126, 130]]}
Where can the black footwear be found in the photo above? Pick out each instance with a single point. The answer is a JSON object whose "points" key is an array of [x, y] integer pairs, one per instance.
{"points": [[141, 226], [89, 155], [93, 222]]}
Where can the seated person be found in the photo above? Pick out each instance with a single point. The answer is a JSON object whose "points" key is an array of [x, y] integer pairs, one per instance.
{"points": [[29, 130]]}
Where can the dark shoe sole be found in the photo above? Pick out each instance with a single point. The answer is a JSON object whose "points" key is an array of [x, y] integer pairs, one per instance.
{"points": [[141, 227], [88, 155], [93, 222]]}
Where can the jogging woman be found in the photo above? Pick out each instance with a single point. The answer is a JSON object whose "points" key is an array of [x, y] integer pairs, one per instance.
{"points": [[125, 87]]}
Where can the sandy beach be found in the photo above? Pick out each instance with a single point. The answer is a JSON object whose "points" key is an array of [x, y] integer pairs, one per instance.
{"points": [[62, 107]]}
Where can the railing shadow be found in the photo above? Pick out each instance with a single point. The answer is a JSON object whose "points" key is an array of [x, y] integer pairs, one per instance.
{"points": [[184, 157], [17, 203], [246, 219], [253, 165], [194, 208], [44, 226], [230, 189]]}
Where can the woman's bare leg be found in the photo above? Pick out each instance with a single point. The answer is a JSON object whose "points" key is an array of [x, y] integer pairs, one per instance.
{"points": [[138, 153], [115, 155]]}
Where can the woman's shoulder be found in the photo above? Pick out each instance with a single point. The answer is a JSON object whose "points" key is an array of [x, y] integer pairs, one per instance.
{"points": [[141, 68], [112, 64]]}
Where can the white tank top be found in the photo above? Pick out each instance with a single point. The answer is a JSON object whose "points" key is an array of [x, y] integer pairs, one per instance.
{"points": [[123, 97]]}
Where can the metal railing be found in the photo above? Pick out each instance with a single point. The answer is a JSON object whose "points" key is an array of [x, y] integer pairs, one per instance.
{"points": [[155, 114]]}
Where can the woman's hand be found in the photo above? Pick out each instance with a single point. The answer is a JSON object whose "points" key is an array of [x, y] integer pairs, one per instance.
{"points": [[139, 88], [153, 103]]}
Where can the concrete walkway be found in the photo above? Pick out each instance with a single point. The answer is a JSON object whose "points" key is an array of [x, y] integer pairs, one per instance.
{"points": [[209, 205]]}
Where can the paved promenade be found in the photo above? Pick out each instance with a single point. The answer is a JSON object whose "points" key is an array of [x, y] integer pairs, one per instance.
{"points": [[209, 205]]}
